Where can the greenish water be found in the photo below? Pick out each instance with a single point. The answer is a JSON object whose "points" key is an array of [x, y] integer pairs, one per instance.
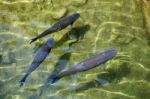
{"points": [[103, 24]]}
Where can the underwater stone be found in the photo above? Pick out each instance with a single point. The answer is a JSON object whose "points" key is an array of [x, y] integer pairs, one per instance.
{"points": [[78, 2], [58, 13], [103, 82], [32, 89]]}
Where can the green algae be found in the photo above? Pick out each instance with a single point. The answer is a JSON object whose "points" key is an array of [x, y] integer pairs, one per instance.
{"points": [[104, 24]]}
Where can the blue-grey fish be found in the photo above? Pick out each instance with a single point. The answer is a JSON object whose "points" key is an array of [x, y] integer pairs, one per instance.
{"points": [[61, 24], [87, 64], [41, 54]]}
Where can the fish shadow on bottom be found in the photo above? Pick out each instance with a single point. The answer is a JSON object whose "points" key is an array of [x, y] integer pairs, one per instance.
{"points": [[63, 60], [112, 76], [75, 33], [62, 63]]}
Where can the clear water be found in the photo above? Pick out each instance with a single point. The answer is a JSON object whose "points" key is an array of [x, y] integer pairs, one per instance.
{"points": [[103, 24]]}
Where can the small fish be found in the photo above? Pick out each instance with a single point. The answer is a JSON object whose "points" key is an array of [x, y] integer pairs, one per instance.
{"points": [[61, 24], [87, 64], [41, 54]]}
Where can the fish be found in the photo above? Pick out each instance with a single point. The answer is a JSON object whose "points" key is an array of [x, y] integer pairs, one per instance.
{"points": [[61, 24], [87, 64], [40, 56]]}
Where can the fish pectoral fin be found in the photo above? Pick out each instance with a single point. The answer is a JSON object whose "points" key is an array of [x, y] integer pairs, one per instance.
{"points": [[37, 47]]}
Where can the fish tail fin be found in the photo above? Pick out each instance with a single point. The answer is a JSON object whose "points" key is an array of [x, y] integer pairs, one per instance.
{"points": [[33, 40], [53, 78], [22, 81]]}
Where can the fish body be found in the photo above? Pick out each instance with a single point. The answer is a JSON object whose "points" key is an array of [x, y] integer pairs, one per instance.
{"points": [[61, 24], [40, 56], [85, 65]]}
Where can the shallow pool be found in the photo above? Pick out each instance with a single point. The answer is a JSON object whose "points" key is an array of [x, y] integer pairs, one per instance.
{"points": [[103, 24]]}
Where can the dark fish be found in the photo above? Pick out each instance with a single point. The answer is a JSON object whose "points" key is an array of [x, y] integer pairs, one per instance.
{"points": [[61, 24], [41, 54], [87, 64]]}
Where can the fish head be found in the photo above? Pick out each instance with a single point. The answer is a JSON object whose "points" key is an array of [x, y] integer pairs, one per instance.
{"points": [[75, 16], [111, 53], [50, 42]]}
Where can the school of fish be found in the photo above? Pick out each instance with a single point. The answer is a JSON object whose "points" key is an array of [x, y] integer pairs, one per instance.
{"points": [[45, 49]]}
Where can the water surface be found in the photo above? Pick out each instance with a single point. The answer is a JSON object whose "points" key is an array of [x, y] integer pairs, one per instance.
{"points": [[103, 24]]}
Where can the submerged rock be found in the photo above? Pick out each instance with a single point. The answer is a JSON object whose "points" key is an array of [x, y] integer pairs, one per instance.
{"points": [[58, 13], [78, 2]]}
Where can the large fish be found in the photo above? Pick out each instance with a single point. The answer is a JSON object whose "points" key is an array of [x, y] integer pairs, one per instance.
{"points": [[61, 24], [41, 54], [87, 64]]}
